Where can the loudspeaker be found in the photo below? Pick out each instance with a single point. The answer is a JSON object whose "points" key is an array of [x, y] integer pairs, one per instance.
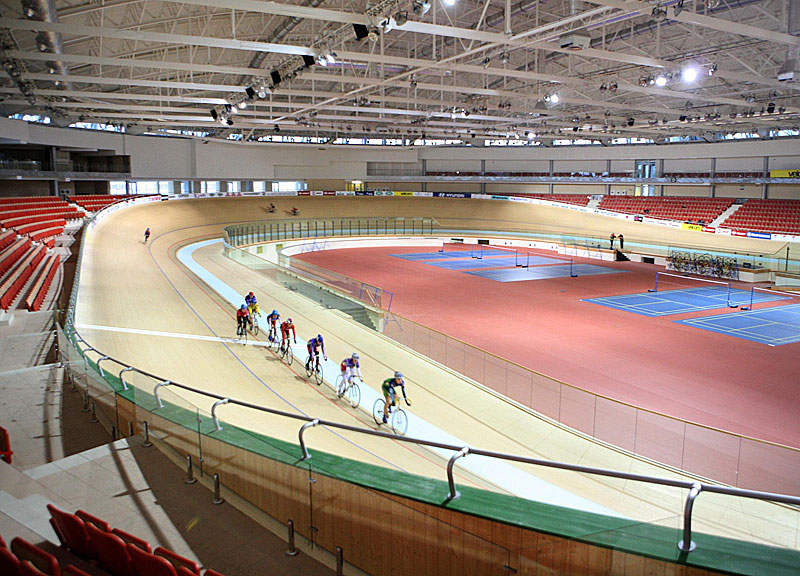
{"points": [[308, 61], [361, 31], [276, 77]]}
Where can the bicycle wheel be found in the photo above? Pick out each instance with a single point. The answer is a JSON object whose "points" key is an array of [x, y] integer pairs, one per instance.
{"points": [[354, 394], [399, 421], [309, 369], [339, 382], [377, 411], [289, 354], [255, 327], [318, 374]]}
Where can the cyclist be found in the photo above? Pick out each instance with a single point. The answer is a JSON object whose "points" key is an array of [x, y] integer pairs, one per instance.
{"points": [[273, 320], [252, 305], [313, 346], [242, 318], [285, 327], [350, 367], [388, 387], [146, 235]]}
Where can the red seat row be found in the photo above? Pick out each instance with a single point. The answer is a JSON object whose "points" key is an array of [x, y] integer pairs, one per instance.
{"points": [[30, 199], [767, 215], [116, 551], [12, 254], [41, 284], [70, 213], [7, 239], [47, 233], [19, 274], [52, 223], [5, 447]]}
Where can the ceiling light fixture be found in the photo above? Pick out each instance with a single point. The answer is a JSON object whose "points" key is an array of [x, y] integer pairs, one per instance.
{"points": [[689, 74], [661, 80]]}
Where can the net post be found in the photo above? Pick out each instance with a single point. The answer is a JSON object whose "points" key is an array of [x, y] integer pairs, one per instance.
{"points": [[655, 289], [571, 271], [731, 304], [750, 307], [442, 248]]}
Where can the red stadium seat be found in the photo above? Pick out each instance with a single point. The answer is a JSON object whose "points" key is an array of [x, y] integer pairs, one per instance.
{"points": [[112, 553], [131, 539], [90, 519], [146, 564], [71, 570], [72, 533], [42, 560], [177, 560], [9, 564]]}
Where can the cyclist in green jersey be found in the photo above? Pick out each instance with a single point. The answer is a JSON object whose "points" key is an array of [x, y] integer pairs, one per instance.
{"points": [[388, 388]]}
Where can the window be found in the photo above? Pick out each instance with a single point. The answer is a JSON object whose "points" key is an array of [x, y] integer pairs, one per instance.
{"points": [[259, 186], [288, 186], [211, 187], [164, 187], [235, 186], [117, 187], [31, 118], [97, 126]]}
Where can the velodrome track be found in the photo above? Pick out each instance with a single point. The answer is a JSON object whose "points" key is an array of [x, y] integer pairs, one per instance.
{"points": [[126, 285]]}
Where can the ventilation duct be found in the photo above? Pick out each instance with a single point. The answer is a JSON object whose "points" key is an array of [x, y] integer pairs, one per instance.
{"points": [[45, 11], [790, 71]]}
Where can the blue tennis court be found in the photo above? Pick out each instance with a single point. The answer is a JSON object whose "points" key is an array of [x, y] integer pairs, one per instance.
{"points": [[446, 255], [473, 263], [772, 326], [667, 302], [542, 272]]}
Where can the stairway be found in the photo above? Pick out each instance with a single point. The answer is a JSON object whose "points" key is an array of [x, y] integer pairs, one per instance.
{"points": [[593, 203], [724, 216]]}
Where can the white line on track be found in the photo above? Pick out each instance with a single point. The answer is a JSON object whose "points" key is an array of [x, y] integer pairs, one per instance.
{"points": [[169, 334]]}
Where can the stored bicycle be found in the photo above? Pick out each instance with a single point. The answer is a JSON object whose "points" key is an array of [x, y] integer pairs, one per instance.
{"points": [[398, 419], [352, 391], [314, 372], [286, 352]]}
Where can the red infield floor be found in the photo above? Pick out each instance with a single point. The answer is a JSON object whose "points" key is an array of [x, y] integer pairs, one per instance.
{"points": [[709, 378]]}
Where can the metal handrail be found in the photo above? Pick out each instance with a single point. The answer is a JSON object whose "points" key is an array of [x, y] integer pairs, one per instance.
{"points": [[695, 488]]}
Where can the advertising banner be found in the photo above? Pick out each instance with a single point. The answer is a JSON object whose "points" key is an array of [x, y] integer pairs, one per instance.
{"points": [[345, 193], [784, 173], [738, 233], [304, 193], [761, 235], [695, 227], [364, 193], [424, 194], [452, 194], [403, 193], [329, 192], [709, 230]]}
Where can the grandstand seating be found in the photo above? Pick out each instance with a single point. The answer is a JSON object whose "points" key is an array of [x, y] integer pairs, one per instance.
{"points": [[95, 202], [12, 254], [685, 209], [766, 215], [576, 199], [5, 454], [44, 561], [42, 218], [118, 552], [41, 283], [19, 274]]}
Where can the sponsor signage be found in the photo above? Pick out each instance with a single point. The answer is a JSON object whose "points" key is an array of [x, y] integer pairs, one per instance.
{"points": [[493, 197], [695, 227], [784, 173], [709, 230], [762, 235], [452, 195], [304, 193], [364, 193], [403, 193], [738, 233], [638, 218], [345, 193], [424, 194], [724, 231], [317, 193], [329, 192]]}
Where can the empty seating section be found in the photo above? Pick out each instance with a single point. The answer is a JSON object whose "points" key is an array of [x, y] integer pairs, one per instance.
{"points": [[113, 550], [12, 254], [685, 209], [96, 202], [577, 199], [12, 282], [42, 560], [41, 283], [766, 215], [42, 218]]}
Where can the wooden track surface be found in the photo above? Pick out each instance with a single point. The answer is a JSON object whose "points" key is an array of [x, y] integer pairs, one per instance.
{"points": [[126, 284]]}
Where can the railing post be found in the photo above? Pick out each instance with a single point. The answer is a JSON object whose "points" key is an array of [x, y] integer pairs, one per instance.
{"points": [[686, 545], [311, 424], [217, 498], [99, 368], [214, 412], [450, 481], [94, 419], [121, 379], [155, 391], [147, 442], [292, 551], [339, 561], [190, 479]]}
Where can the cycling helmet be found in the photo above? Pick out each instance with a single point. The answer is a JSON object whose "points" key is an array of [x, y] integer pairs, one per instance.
{"points": [[250, 294], [244, 307], [288, 320], [274, 312], [319, 337], [354, 356], [398, 375]]}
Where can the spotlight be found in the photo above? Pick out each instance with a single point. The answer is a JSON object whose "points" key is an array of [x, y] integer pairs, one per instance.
{"points": [[631, 121], [449, 2], [421, 8], [689, 74], [400, 17], [770, 107], [504, 57], [374, 34], [643, 81], [486, 62], [661, 80], [712, 70], [781, 110], [603, 87], [555, 98], [612, 87], [242, 105], [42, 43], [530, 135]]}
